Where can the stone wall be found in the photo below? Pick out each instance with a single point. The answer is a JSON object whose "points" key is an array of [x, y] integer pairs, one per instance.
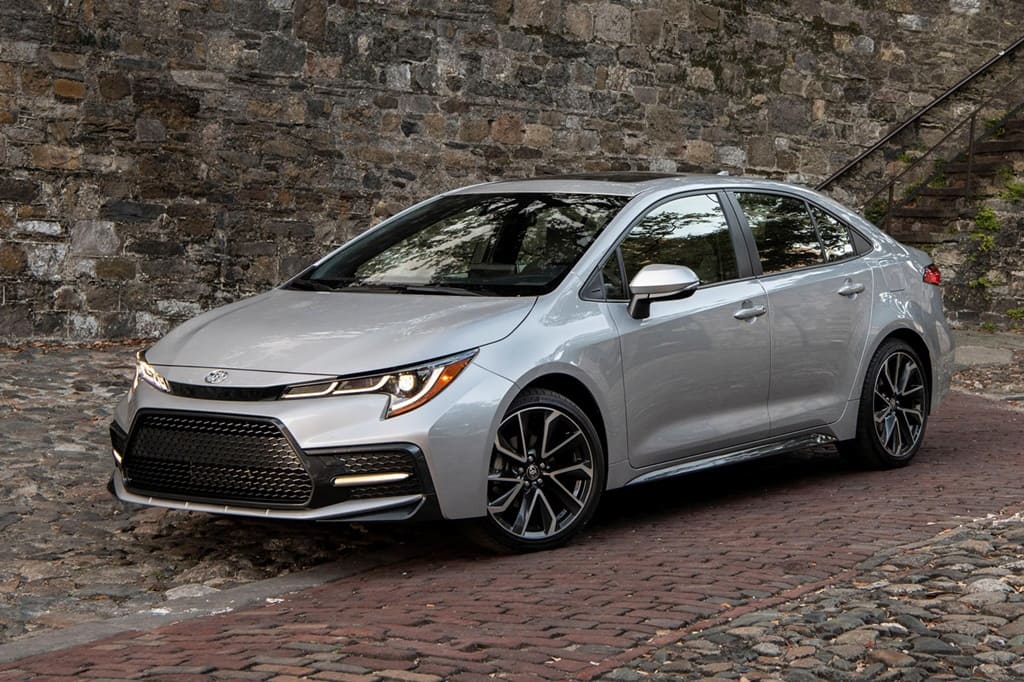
{"points": [[160, 157], [983, 270]]}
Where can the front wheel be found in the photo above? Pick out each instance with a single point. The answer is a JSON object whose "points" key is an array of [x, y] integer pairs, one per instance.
{"points": [[546, 474], [893, 409]]}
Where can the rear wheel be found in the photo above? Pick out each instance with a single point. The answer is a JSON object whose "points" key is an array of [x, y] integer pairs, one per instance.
{"points": [[546, 474], [893, 409]]}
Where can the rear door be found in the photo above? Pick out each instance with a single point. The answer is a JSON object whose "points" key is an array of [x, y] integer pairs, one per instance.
{"points": [[696, 371], [819, 294]]}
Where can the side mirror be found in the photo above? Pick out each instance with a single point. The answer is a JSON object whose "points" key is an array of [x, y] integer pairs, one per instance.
{"points": [[660, 283]]}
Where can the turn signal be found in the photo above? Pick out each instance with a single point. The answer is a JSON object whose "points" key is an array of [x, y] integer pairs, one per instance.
{"points": [[932, 275]]}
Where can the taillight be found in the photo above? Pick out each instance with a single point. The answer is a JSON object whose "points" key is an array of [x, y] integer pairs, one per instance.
{"points": [[932, 275]]}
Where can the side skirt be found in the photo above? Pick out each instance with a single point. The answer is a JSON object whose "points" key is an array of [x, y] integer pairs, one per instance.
{"points": [[744, 455]]}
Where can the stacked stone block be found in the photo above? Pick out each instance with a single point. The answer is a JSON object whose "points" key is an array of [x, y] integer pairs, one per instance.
{"points": [[161, 157]]}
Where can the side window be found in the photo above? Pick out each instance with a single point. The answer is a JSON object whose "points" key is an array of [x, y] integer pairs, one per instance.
{"points": [[835, 236], [690, 231], [783, 231]]}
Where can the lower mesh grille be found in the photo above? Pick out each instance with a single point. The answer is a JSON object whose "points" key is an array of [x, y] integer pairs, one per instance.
{"points": [[235, 459]]}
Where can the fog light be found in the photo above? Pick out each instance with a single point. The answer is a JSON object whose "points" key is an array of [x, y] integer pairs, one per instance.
{"points": [[368, 479]]}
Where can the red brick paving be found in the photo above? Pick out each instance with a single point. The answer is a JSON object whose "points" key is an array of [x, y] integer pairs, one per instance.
{"points": [[658, 559]]}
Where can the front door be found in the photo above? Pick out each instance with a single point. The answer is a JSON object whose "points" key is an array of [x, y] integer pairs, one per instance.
{"points": [[696, 371]]}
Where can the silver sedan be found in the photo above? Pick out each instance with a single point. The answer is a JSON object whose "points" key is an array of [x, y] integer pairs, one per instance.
{"points": [[506, 352]]}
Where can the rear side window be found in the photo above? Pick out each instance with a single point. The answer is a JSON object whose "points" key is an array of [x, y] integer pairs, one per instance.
{"points": [[783, 231], [690, 231], [835, 236]]}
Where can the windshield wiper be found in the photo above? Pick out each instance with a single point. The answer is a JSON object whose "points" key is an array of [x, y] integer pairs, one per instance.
{"points": [[440, 290], [310, 285], [374, 288], [386, 287]]}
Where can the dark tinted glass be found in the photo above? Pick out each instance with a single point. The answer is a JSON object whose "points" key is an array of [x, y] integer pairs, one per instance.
{"points": [[835, 236], [491, 244], [611, 275], [690, 231], [783, 231]]}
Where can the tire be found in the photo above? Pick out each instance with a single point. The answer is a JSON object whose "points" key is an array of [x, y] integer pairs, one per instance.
{"points": [[893, 410], [546, 475]]}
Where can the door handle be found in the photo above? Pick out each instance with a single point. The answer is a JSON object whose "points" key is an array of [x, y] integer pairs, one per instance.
{"points": [[850, 289], [750, 313]]}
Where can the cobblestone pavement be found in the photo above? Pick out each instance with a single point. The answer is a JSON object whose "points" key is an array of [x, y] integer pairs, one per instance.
{"points": [[73, 553], [951, 607], [804, 548]]}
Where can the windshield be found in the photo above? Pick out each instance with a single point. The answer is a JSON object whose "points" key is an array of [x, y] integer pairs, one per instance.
{"points": [[476, 244]]}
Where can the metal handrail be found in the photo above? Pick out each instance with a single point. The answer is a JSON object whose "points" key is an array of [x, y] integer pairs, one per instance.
{"points": [[971, 143], [1003, 54]]}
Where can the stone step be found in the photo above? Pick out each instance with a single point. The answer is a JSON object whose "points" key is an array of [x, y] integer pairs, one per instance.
{"points": [[1015, 137], [1001, 146], [980, 187], [951, 192], [921, 237], [927, 212], [922, 230], [979, 167]]}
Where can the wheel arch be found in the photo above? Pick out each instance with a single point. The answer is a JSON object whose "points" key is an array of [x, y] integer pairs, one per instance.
{"points": [[913, 339], [568, 396], [576, 391]]}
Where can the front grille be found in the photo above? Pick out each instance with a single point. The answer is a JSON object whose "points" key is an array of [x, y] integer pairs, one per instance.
{"points": [[225, 392], [234, 459], [352, 462]]}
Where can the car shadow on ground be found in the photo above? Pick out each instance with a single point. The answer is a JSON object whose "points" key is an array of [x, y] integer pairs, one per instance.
{"points": [[701, 489], [268, 541], [233, 549]]}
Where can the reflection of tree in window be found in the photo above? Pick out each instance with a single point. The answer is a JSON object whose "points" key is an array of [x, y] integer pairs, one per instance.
{"points": [[835, 236], [691, 231], [474, 237], [437, 252], [783, 231]]}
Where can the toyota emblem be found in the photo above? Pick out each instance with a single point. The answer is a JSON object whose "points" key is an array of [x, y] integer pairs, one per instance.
{"points": [[216, 377]]}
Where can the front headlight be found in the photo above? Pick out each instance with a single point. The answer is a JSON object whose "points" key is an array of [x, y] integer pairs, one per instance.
{"points": [[408, 388], [147, 372]]}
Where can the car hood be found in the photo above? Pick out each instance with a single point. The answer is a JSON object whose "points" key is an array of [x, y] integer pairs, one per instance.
{"points": [[337, 333]]}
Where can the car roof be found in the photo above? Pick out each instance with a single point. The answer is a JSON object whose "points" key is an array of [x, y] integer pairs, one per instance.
{"points": [[625, 183]]}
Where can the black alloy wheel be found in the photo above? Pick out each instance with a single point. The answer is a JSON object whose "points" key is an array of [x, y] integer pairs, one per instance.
{"points": [[893, 409], [546, 474]]}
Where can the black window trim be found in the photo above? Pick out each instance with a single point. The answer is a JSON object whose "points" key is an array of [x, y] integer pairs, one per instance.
{"points": [[740, 245], [748, 235]]}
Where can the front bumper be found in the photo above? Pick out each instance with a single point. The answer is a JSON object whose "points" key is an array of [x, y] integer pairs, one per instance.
{"points": [[379, 509], [452, 434], [209, 462]]}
